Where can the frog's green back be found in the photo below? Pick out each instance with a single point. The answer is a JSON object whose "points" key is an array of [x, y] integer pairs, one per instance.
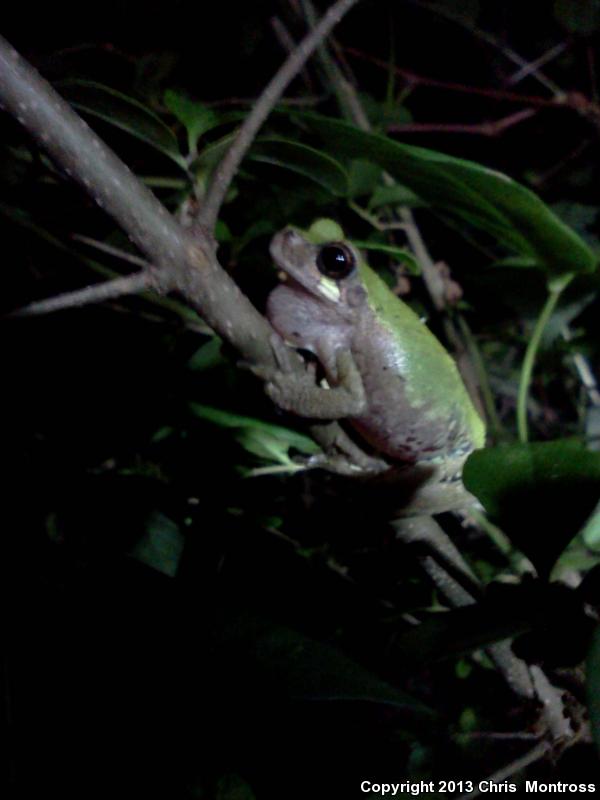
{"points": [[432, 378]]}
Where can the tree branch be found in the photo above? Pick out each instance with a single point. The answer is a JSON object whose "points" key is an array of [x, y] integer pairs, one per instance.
{"points": [[83, 157], [426, 531], [108, 290], [292, 65], [112, 251], [489, 128], [183, 261]]}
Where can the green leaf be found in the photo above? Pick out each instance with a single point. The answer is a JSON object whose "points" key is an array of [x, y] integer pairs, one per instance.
{"points": [[514, 262], [593, 685], [395, 195], [161, 546], [125, 113], [288, 154], [212, 153], [481, 196], [208, 355], [363, 178], [233, 787], [305, 669], [591, 532], [271, 443], [540, 494], [581, 17], [307, 161], [196, 118], [455, 633], [399, 253]]}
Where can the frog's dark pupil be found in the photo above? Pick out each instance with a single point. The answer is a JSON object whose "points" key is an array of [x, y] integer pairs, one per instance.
{"points": [[335, 261]]}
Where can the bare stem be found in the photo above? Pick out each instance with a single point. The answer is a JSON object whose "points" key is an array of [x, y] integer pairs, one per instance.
{"points": [[82, 156], [495, 128], [529, 360], [184, 260], [228, 167], [112, 251], [459, 586], [109, 290], [507, 52]]}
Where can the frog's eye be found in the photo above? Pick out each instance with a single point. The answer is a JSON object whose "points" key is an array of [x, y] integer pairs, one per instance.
{"points": [[335, 260]]}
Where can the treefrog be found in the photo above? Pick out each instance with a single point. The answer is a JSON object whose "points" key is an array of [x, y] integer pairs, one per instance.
{"points": [[386, 374]]}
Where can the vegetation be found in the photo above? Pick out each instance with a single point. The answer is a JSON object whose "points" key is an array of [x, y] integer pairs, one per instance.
{"points": [[195, 611]]}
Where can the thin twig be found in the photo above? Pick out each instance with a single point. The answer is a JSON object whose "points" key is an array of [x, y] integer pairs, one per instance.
{"points": [[228, 167], [413, 79], [495, 128], [185, 259], [130, 258], [109, 290], [287, 45], [426, 531], [507, 52], [82, 156], [533, 67], [584, 370]]}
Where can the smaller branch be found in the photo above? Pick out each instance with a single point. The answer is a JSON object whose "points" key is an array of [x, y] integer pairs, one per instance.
{"points": [[507, 52], [427, 532], [228, 167], [130, 258], [287, 45], [342, 86], [533, 67], [584, 370], [495, 128], [574, 101], [495, 94], [541, 178], [128, 284]]}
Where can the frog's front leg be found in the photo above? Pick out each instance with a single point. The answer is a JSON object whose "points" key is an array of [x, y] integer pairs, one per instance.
{"points": [[299, 393]]}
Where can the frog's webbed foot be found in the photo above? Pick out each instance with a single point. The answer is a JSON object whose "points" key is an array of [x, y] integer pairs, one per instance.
{"points": [[299, 393]]}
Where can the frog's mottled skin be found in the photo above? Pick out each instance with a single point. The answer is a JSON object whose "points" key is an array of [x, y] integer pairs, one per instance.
{"points": [[416, 407]]}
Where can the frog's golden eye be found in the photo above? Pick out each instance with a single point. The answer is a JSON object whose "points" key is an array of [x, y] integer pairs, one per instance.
{"points": [[336, 260]]}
